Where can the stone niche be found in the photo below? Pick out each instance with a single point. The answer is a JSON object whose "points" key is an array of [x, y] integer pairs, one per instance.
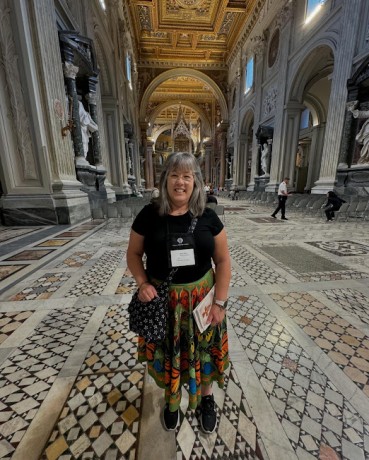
{"points": [[264, 135]]}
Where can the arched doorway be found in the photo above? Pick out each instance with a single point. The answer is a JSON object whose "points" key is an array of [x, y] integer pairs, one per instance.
{"points": [[307, 110], [194, 108], [246, 140]]}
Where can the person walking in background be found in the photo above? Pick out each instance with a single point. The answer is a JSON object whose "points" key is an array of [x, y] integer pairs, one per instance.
{"points": [[185, 355], [334, 203], [282, 198]]}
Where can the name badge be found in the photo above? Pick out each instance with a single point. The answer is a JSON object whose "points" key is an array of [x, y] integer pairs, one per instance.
{"points": [[181, 250], [182, 257]]}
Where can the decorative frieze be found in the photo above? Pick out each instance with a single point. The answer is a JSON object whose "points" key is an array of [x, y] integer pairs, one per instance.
{"points": [[258, 45], [270, 101]]}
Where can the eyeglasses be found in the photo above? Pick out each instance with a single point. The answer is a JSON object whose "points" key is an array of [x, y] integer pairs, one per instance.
{"points": [[185, 177]]}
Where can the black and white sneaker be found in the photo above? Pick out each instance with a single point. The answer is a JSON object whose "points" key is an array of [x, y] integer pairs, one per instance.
{"points": [[170, 419], [208, 415]]}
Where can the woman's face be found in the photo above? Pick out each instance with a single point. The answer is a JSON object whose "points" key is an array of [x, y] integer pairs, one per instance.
{"points": [[180, 186]]}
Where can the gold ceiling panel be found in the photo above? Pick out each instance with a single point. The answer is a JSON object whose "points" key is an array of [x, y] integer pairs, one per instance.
{"points": [[192, 31]]}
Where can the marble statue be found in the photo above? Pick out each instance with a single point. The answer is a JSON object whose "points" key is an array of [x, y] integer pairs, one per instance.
{"points": [[88, 126], [265, 155], [362, 136]]}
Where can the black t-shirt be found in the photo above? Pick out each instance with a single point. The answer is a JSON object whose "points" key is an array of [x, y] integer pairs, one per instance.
{"points": [[155, 229]]}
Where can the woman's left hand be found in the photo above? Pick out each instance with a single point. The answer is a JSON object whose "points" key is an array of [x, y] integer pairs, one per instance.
{"points": [[216, 315]]}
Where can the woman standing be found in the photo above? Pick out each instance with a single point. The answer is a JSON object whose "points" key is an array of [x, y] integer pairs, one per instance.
{"points": [[185, 356]]}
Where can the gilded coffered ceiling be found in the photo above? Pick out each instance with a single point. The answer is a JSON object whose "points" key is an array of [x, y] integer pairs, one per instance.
{"points": [[183, 34], [188, 32]]}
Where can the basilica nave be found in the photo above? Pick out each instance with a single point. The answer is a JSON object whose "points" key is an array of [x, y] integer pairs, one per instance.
{"points": [[94, 96]]}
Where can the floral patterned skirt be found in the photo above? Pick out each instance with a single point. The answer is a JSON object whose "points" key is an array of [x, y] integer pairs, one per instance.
{"points": [[186, 356]]}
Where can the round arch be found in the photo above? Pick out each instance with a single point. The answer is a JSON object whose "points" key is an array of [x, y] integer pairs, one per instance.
{"points": [[307, 67], [184, 73], [309, 87], [188, 104], [247, 119]]}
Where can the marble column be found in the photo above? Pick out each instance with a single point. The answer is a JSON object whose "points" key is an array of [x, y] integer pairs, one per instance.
{"points": [[315, 147], [281, 146], [130, 158], [241, 167], [149, 151], [259, 60], [208, 151], [223, 144], [350, 17], [285, 165], [145, 155], [96, 147], [70, 73]]}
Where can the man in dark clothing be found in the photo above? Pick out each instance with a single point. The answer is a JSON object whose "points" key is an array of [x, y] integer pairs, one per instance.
{"points": [[333, 204]]}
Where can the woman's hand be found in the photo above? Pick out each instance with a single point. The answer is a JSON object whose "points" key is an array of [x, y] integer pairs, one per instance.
{"points": [[147, 292], [216, 315]]}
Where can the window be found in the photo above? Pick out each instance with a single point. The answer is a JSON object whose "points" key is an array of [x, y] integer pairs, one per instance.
{"points": [[305, 118], [312, 8], [249, 78], [129, 70]]}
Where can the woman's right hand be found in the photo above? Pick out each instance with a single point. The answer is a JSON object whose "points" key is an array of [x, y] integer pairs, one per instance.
{"points": [[147, 292]]}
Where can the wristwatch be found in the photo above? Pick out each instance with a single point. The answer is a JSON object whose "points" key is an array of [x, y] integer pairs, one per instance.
{"points": [[221, 303]]}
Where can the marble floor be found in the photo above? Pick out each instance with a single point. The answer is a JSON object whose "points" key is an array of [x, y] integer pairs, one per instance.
{"points": [[298, 319]]}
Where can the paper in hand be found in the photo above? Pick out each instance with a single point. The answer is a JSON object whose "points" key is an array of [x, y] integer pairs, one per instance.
{"points": [[202, 311]]}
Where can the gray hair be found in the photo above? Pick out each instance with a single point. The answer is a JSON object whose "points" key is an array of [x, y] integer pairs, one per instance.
{"points": [[182, 162]]}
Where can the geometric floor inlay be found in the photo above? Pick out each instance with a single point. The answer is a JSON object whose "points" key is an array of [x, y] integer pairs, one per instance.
{"points": [[352, 301], [54, 243], [96, 279], [100, 419], [236, 433], [254, 267], [31, 254], [8, 234], [301, 260], [8, 270], [27, 374], [77, 259], [341, 248], [344, 344], [126, 284], [314, 415], [10, 321], [43, 287], [114, 347]]}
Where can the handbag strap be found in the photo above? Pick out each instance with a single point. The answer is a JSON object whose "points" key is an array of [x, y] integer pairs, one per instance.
{"points": [[190, 230]]}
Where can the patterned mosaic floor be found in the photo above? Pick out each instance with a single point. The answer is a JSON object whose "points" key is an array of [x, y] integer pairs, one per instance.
{"points": [[298, 384]]}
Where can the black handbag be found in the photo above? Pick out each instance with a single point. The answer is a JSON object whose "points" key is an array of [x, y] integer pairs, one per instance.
{"points": [[149, 319]]}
